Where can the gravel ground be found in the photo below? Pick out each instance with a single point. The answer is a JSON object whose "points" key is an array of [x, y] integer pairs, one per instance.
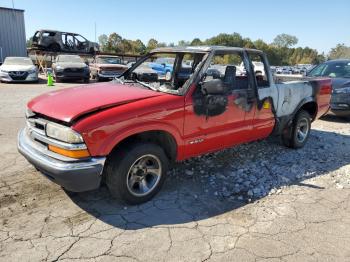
{"points": [[254, 202]]}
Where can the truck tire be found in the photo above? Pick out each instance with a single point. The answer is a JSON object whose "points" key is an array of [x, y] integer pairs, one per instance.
{"points": [[136, 173], [298, 133]]}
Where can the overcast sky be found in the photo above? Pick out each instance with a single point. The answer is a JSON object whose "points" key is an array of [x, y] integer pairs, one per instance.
{"points": [[317, 24]]}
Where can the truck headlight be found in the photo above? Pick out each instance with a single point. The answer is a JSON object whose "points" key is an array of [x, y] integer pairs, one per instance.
{"points": [[63, 133], [3, 71], [59, 68], [343, 90]]}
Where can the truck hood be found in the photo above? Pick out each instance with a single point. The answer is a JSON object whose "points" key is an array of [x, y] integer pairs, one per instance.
{"points": [[112, 66], [70, 103]]}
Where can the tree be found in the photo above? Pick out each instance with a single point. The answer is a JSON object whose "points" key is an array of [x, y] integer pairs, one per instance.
{"points": [[196, 42], [161, 44], [113, 43], [125, 46], [138, 47], [183, 43], [29, 42], [285, 40], [340, 51], [234, 39], [102, 40], [152, 44]]}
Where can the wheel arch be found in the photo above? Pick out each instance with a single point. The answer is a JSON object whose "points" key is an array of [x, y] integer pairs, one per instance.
{"points": [[160, 137], [310, 106]]}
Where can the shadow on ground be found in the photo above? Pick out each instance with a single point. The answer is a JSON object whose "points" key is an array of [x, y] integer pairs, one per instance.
{"points": [[186, 198], [335, 119]]}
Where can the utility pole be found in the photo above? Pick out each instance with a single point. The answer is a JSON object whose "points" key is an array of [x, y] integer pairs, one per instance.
{"points": [[95, 33]]}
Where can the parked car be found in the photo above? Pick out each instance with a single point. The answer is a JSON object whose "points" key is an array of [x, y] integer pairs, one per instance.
{"points": [[70, 67], [127, 132], [18, 69], [144, 73], [56, 41], [339, 71], [163, 66], [258, 68], [105, 67]]}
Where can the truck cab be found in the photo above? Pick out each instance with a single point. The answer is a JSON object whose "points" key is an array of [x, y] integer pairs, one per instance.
{"points": [[129, 132]]}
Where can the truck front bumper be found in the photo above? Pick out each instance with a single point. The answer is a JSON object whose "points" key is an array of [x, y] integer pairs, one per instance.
{"points": [[77, 176]]}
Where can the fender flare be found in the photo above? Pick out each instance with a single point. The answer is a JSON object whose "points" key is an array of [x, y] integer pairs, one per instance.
{"points": [[284, 122], [121, 135]]}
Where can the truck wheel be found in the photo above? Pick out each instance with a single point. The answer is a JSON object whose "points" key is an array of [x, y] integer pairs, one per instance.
{"points": [[299, 132], [136, 173]]}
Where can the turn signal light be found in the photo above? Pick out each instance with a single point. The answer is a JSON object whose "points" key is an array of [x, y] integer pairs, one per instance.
{"points": [[70, 153]]}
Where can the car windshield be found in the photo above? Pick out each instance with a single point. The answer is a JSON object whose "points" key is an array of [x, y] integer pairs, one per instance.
{"points": [[18, 61], [333, 69], [164, 72], [69, 59], [109, 60]]}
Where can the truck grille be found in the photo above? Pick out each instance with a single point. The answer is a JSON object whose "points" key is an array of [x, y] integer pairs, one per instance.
{"points": [[36, 128], [37, 125]]}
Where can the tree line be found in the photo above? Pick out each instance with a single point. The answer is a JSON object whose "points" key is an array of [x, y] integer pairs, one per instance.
{"points": [[280, 52]]}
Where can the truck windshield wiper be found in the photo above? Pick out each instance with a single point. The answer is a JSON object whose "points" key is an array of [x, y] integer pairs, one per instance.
{"points": [[146, 85]]}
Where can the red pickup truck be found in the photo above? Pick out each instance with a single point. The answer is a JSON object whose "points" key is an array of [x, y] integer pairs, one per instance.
{"points": [[127, 132]]}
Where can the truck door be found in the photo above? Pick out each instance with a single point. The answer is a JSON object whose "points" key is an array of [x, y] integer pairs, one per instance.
{"points": [[219, 121], [263, 119]]}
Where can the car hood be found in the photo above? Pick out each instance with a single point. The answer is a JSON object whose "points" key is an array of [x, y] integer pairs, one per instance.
{"points": [[340, 82], [70, 103], [17, 67], [112, 66], [71, 65]]}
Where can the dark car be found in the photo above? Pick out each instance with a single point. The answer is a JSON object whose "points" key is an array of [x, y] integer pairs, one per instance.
{"points": [[56, 41], [339, 71], [70, 67]]}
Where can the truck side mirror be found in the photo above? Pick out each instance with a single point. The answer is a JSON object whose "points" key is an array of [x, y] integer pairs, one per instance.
{"points": [[214, 87], [163, 64]]}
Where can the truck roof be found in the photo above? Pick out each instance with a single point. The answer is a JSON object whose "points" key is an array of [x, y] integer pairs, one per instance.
{"points": [[202, 49]]}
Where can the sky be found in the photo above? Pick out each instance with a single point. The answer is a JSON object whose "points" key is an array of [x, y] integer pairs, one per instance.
{"points": [[318, 24]]}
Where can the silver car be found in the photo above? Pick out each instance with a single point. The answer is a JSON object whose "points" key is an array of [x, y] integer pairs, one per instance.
{"points": [[18, 69]]}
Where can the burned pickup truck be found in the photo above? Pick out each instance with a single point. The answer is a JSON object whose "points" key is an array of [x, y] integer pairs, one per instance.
{"points": [[126, 133]]}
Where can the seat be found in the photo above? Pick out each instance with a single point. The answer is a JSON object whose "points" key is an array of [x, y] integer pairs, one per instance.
{"points": [[230, 76]]}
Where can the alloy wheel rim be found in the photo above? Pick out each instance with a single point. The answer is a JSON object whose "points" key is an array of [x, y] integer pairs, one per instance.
{"points": [[144, 175], [302, 130]]}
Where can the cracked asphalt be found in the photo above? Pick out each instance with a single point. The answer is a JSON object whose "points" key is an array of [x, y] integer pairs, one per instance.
{"points": [[297, 207]]}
